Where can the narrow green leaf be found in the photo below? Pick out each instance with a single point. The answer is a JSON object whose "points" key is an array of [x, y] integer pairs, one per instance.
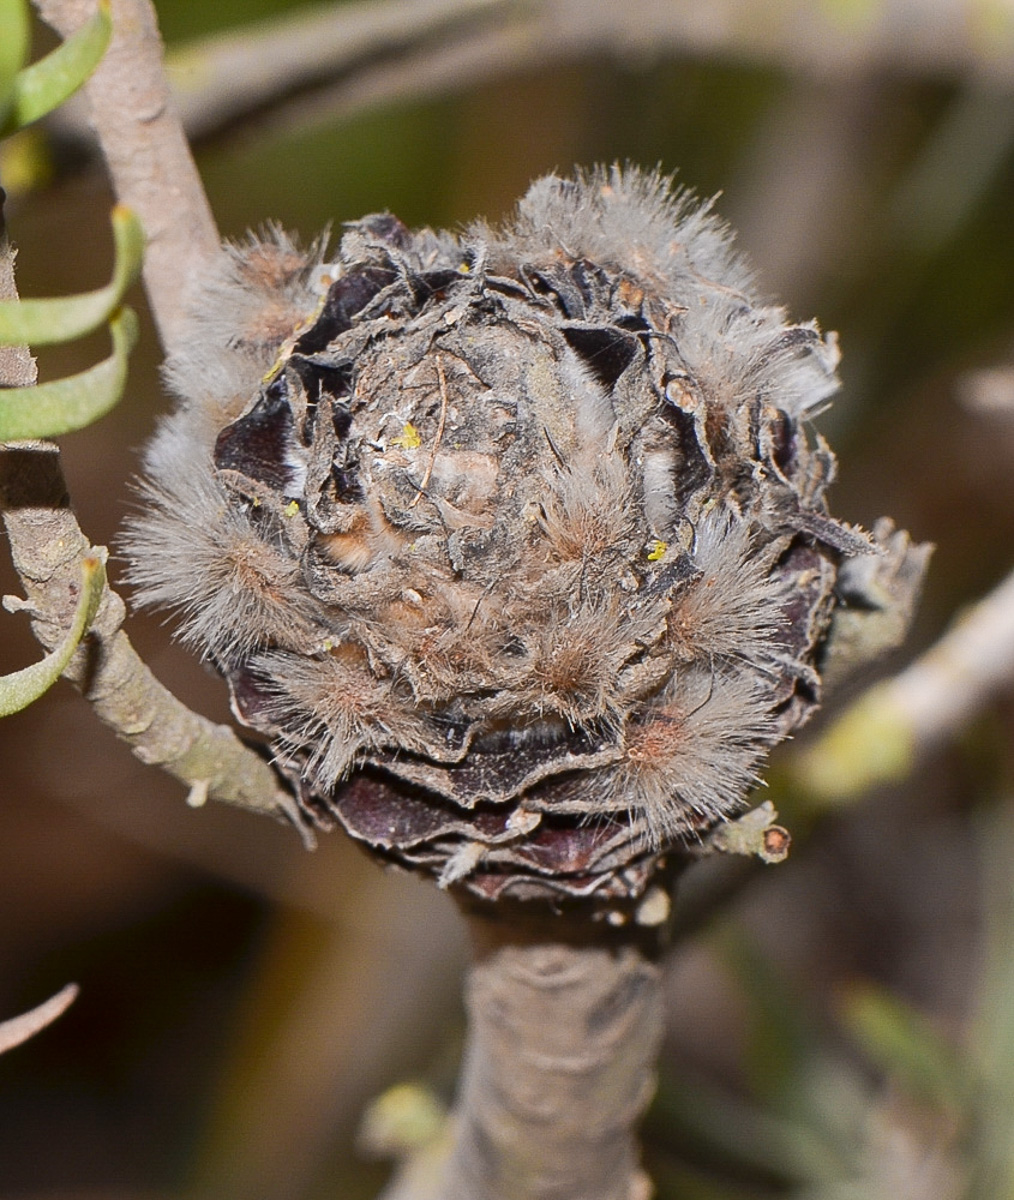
{"points": [[13, 51], [51, 409], [20, 688], [44, 322], [44, 85], [819, 1100]]}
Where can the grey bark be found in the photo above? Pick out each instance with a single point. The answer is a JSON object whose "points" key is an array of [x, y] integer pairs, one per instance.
{"points": [[147, 152], [47, 546], [559, 1067]]}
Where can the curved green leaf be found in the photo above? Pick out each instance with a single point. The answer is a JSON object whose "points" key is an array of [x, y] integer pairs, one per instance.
{"points": [[42, 86], [43, 322], [20, 688], [13, 51], [50, 409]]}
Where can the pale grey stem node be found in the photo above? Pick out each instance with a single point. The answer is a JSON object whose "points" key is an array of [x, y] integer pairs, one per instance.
{"points": [[755, 833]]}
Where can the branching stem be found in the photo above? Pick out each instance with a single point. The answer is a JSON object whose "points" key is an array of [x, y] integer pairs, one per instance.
{"points": [[47, 546]]}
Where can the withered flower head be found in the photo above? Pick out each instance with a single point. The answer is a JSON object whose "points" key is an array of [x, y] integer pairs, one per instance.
{"points": [[515, 543]]}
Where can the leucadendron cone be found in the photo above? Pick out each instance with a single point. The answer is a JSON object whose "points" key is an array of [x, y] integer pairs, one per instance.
{"points": [[514, 542]]}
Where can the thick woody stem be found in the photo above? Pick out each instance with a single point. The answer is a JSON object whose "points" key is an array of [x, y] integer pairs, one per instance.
{"points": [[149, 159], [559, 1066]]}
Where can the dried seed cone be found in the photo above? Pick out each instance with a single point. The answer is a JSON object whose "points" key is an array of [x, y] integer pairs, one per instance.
{"points": [[514, 544]]}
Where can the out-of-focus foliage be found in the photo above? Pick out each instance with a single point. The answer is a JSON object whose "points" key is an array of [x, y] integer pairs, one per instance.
{"points": [[877, 1105]]}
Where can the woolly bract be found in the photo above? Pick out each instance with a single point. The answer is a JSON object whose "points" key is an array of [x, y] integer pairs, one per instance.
{"points": [[513, 542]]}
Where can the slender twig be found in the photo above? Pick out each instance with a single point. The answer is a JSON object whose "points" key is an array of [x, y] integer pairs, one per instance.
{"points": [[884, 733], [222, 78], [153, 172], [144, 144], [47, 547], [19, 1029], [425, 71]]}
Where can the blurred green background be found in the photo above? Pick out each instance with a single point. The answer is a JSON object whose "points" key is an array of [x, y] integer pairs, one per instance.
{"points": [[242, 1000]]}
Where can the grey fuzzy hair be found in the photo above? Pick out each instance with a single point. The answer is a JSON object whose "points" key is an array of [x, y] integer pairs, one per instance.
{"points": [[733, 609], [630, 220], [333, 714], [694, 758], [638, 221], [618, 217], [193, 551], [216, 369]]}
